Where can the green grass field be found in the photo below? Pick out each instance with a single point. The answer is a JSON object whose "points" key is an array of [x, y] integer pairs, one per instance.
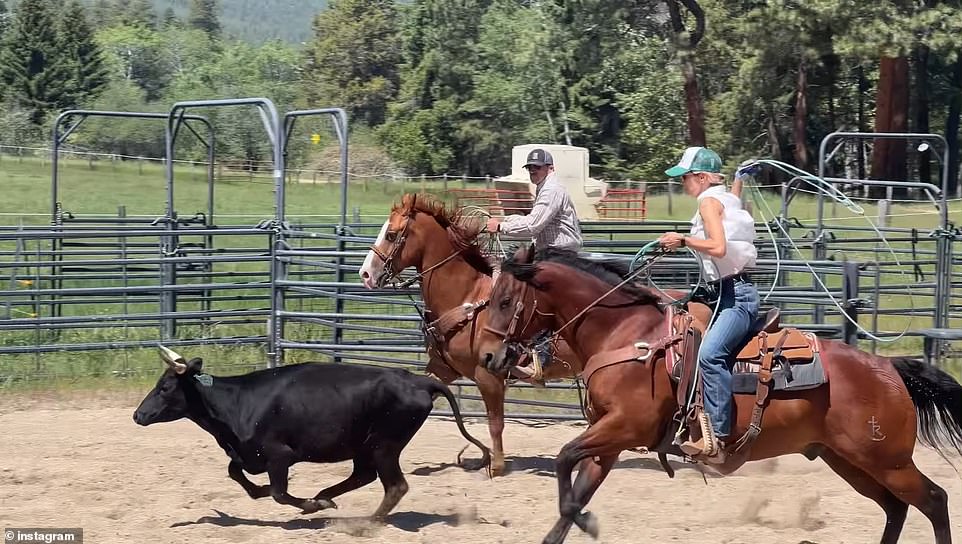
{"points": [[100, 189]]}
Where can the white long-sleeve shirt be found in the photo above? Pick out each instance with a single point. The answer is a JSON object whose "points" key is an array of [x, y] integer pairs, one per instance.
{"points": [[552, 221]]}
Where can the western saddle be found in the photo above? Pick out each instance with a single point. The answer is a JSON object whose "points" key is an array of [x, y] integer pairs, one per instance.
{"points": [[771, 345]]}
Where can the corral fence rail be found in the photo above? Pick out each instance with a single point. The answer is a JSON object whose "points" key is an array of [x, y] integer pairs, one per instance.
{"points": [[91, 283]]}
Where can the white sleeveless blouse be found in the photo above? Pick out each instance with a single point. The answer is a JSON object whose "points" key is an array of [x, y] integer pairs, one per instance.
{"points": [[739, 228]]}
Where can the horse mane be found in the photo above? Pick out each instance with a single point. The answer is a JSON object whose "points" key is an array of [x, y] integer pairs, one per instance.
{"points": [[610, 271], [462, 234]]}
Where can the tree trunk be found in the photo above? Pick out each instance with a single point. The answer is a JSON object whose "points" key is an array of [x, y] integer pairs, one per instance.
{"points": [[832, 122], [862, 126], [696, 110], [800, 125], [891, 115], [564, 119], [775, 141], [547, 114], [686, 42], [952, 127], [921, 99]]}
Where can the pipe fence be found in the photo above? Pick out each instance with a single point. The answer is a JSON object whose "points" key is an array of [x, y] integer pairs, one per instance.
{"points": [[281, 290]]}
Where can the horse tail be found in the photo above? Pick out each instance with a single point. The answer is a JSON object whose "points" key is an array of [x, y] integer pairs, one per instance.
{"points": [[938, 402]]}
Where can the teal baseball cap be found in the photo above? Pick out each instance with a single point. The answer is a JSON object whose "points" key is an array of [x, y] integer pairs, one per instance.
{"points": [[696, 159]]}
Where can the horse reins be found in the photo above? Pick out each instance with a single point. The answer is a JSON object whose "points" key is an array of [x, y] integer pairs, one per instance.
{"points": [[506, 335], [411, 281], [631, 276]]}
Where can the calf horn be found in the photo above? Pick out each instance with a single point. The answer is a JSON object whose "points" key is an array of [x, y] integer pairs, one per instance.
{"points": [[173, 359]]}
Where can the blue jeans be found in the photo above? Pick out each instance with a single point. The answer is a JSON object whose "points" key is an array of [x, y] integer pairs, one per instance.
{"points": [[737, 310]]}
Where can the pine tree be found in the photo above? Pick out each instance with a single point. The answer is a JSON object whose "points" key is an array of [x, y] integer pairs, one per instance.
{"points": [[119, 11], [3, 18], [140, 13], [204, 16], [102, 13], [169, 18], [353, 59], [33, 71], [76, 43], [440, 56], [590, 38]]}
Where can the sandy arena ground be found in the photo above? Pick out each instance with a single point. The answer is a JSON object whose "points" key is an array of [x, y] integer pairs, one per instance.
{"points": [[84, 463]]}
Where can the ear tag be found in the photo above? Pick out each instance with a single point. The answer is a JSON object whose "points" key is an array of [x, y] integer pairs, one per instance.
{"points": [[205, 379]]}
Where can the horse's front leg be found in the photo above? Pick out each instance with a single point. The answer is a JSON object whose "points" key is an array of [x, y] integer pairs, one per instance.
{"points": [[601, 444], [492, 391], [591, 472]]}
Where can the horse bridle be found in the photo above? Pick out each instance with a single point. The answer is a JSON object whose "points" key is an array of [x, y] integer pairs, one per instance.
{"points": [[508, 335], [388, 273]]}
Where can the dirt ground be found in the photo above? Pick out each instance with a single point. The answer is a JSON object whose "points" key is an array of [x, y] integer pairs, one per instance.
{"points": [[84, 463]]}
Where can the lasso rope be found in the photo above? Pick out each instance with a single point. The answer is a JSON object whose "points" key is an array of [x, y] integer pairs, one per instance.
{"points": [[829, 190], [647, 247], [820, 184]]}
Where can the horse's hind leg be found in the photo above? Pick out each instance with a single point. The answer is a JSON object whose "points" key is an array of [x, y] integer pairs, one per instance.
{"points": [[913, 487], [904, 481], [591, 472], [895, 509]]}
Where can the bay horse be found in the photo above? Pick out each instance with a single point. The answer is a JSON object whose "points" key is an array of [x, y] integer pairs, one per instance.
{"points": [[864, 422], [456, 279]]}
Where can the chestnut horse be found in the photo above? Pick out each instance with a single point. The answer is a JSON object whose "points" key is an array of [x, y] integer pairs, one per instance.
{"points": [[441, 246], [863, 423]]}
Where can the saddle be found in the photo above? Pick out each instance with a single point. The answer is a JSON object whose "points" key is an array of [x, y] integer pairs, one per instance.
{"points": [[794, 347], [765, 363]]}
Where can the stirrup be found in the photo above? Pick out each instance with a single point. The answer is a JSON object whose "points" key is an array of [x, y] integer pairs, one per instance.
{"points": [[720, 455], [537, 369], [707, 445], [527, 375]]}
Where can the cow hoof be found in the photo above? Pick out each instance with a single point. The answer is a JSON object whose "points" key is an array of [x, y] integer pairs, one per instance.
{"points": [[473, 464], [259, 492]]}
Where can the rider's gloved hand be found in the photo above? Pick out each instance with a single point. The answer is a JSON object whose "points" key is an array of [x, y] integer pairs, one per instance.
{"points": [[748, 168]]}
